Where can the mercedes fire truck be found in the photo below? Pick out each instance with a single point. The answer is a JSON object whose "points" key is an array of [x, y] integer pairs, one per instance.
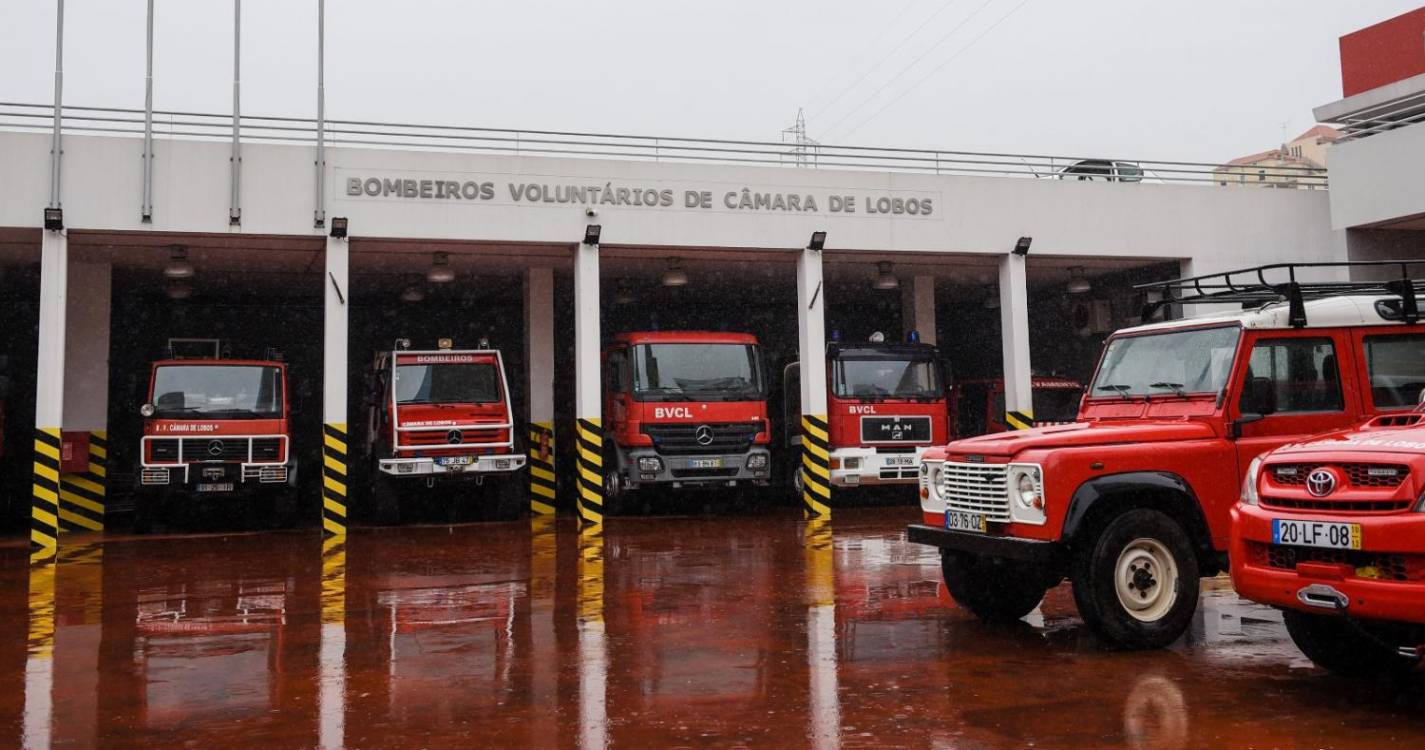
{"points": [[684, 409]]}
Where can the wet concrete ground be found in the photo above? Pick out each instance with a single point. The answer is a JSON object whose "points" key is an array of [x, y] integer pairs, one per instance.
{"points": [[695, 632]]}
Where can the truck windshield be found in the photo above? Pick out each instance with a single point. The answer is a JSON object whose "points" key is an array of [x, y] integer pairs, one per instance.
{"points": [[217, 392], [1195, 361], [697, 372], [450, 383], [886, 378]]}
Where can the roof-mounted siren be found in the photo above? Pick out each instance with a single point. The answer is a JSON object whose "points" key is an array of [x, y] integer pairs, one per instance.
{"points": [[182, 348], [912, 336], [272, 354], [403, 344], [484, 342], [877, 338], [444, 344], [1252, 289]]}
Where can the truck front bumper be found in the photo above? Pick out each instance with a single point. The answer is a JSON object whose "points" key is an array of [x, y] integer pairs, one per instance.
{"points": [[712, 470], [987, 545], [852, 467], [427, 467]]}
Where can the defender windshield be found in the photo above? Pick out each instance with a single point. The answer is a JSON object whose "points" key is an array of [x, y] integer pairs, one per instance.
{"points": [[217, 392], [902, 377], [1197, 361], [448, 383], [697, 372]]}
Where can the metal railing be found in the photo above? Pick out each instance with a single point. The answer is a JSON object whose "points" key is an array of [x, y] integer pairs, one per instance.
{"points": [[173, 124], [1396, 113]]}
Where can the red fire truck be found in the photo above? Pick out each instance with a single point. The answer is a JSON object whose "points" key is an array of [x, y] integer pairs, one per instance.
{"points": [[684, 409], [441, 414], [1331, 530], [1132, 501], [215, 426], [885, 406], [977, 406]]}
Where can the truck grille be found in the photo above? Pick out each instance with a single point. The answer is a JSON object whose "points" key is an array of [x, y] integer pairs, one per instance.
{"points": [[682, 439], [223, 449], [976, 488]]}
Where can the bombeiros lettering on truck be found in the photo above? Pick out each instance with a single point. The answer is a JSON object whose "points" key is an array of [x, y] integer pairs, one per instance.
{"points": [[684, 409], [1132, 501]]}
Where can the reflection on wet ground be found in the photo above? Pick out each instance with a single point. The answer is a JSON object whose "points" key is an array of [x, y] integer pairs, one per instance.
{"points": [[709, 631]]}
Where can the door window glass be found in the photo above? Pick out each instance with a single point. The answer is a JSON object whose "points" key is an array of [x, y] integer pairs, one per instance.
{"points": [[1396, 365], [1300, 374]]}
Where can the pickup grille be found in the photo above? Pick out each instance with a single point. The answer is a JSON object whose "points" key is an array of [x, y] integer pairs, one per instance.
{"points": [[1358, 474], [682, 439], [976, 488]]}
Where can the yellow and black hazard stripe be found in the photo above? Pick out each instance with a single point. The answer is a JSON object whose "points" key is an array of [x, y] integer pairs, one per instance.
{"points": [[591, 574], [44, 501], [541, 468], [1019, 420], [334, 579], [334, 478], [82, 494], [816, 465], [589, 445], [39, 636]]}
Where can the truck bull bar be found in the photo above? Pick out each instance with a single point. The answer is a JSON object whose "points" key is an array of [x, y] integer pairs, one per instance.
{"points": [[263, 471]]}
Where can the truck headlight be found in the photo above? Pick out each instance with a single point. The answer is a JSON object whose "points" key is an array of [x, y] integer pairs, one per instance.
{"points": [[1025, 483], [757, 461], [930, 479], [1249, 482], [650, 464]]}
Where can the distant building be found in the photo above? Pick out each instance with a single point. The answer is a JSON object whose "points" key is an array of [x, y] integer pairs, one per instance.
{"points": [[1282, 167]]}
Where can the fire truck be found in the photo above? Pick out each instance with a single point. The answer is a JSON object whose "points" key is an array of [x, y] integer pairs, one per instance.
{"points": [[885, 403], [1331, 529], [441, 414], [684, 409], [977, 406], [215, 426], [1132, 501]]}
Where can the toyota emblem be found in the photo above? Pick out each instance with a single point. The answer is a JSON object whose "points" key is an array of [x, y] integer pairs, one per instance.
{"points": [[215, 447], [1320, 482], [453, 437], [704, 435]]}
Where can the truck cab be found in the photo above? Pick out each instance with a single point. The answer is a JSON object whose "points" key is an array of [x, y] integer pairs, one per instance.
{"points": [[886, 404], [215, 426], [977, 406], [1132, 501], [684, 409]]}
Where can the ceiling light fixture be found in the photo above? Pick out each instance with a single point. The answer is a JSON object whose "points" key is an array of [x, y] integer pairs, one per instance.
{"points": [[884, 278], [440, 271], [1077, 283], [675, 275], [178, 266]]}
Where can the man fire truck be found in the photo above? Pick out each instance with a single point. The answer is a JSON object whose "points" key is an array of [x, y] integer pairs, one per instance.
{"points": [[215, 426], [977, 406], [684, 409], [885, 404], [442, 414], [1132, 501], [1332, 530]]}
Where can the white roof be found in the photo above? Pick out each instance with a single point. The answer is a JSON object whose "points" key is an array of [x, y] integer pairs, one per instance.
{"points": [[1333, 312]]}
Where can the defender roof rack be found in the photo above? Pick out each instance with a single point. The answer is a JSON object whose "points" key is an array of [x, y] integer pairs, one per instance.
{"points": [[1255, 287]]}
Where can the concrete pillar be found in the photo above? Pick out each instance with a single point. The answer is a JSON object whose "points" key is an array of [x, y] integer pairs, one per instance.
{"points": [[918, 308], [811, 343], [824, 711], [49, 393], [334, 396], [82, 494], [539, 366], [593, 644], [1014, 331], [38, 719], [588, 408]]}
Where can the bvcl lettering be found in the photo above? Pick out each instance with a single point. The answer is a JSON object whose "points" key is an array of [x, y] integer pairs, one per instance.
{"points": [[863, 409], [672, 412]]}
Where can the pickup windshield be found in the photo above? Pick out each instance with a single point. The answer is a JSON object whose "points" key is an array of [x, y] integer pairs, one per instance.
{"points": [[1169, 363], [449, 383], [697, 372], [901, 377], [217, 392]]}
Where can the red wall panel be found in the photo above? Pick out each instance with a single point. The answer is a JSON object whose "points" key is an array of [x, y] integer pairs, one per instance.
{"points": [[1387, 52]]}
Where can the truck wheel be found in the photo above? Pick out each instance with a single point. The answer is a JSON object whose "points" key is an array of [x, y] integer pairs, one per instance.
{"points": [[616, 493], [1342, 647], [997, 591], [1136, 585]]}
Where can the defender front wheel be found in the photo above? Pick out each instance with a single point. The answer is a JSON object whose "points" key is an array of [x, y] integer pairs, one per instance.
{"points": [[996, 591], [1137, 584]]}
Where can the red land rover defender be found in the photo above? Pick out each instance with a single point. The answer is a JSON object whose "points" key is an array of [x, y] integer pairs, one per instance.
{"points": [[1332, 531], [1132, 501], [217, 427], [438, 414], [885, 406], [977, 406], [684, 409]]}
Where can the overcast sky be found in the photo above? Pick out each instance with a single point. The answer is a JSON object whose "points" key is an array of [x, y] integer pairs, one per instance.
{"points": [[1206, 80]]}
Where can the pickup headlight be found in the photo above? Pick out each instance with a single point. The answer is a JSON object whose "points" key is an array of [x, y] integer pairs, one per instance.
{"points": [[1025, 483], [1249, 482]]}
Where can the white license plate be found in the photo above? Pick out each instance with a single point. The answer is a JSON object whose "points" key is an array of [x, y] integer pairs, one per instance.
{"points": [[215, 487], [705, 463], [900, 460], [1316, 534], [960, 521], [455, 460]]}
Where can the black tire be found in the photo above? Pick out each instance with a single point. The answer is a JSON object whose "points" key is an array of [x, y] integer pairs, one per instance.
{"points": [[994, 590], [1143, 557], [1340, 647]]}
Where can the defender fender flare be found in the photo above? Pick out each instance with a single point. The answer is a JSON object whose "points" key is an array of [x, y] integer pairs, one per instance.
{"points": [[1095, 491]]}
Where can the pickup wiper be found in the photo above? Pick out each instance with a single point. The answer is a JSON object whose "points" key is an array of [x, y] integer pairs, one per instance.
{"points": [[1176, 388], [1121, 390]]}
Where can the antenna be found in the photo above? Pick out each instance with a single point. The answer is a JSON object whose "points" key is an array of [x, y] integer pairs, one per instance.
{"points": [[803, 151]]}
